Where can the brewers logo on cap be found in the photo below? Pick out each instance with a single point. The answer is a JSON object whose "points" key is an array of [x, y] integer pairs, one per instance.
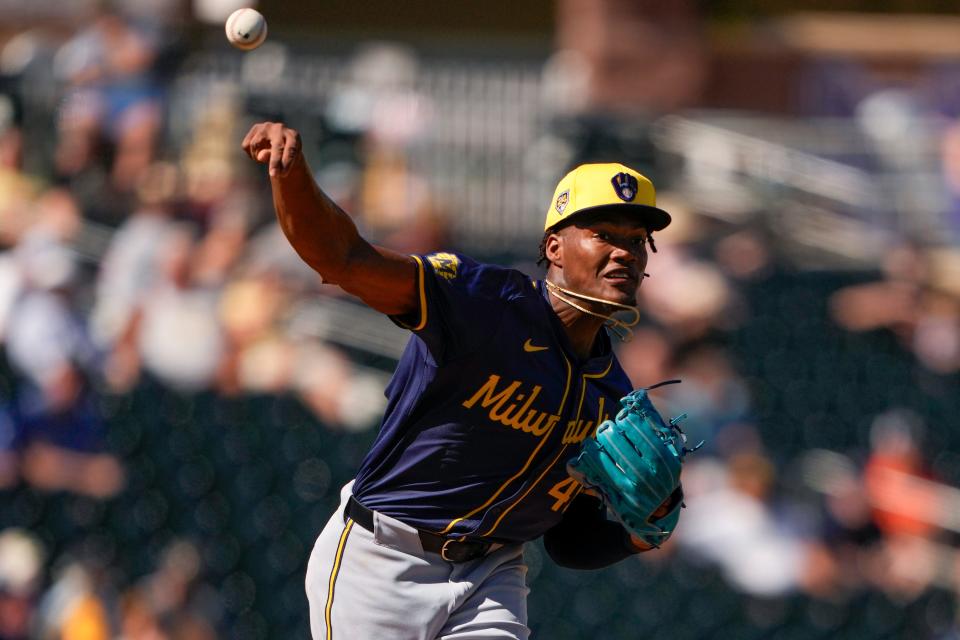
{"points": [[625, 186], [587, 188]]}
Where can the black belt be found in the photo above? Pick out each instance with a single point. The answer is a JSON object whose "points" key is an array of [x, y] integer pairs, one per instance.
{"points": [[450, 549]]}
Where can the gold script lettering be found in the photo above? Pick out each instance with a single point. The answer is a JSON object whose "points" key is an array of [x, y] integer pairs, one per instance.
{"points": [[504, 407]]}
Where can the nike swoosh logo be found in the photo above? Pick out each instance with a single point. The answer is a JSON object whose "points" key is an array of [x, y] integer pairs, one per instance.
{"points": [[531, 348]]}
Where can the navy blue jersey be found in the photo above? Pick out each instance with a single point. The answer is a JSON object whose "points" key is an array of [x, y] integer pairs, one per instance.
{"points": [[487, 404]]}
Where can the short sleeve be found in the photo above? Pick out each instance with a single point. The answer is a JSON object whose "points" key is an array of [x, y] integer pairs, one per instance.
{"points": [[461, 302]]}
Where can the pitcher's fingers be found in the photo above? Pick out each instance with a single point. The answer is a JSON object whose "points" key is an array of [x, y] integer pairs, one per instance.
{"points": [[276, 153], [248, 141], [290, 149], [259, 148]]}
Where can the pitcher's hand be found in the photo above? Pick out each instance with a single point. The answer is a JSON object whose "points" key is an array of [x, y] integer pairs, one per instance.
{"points": [[273, 144]]}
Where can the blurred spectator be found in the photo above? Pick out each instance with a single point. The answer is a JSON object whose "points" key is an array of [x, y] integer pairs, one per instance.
{"points": [[950, 162], [889, 303], [9, 456], [848, 526], [380, 106], [21, 573], [128, 272], [900, 507], [635, 55], [885, 524], [729, 521], [378, 97], [74, 608], [260, 357], [648, 357], [60, 432], [915, 300], [208, 162], [709, 301], [716, 400], [176, 329], [171, 603], [112, 98], [17, 189], [335, 389], [745, 255], [271, 350], [268, 251]]}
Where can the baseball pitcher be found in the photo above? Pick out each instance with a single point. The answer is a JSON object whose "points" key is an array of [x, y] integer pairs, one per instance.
{"points": [[508, 416]]}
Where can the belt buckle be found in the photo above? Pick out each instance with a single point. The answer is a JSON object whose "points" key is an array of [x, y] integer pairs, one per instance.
{"points": [[445, 548], [470, 549], [450, 551]]}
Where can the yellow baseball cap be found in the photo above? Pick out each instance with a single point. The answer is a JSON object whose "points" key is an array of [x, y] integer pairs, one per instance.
{"points": [[593, 186]]}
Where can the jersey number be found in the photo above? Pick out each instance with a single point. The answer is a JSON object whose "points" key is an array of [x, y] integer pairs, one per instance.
{"points": [[564, 491]]}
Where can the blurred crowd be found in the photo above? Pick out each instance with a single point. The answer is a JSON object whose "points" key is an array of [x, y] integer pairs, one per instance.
{"points": [[127, 258], [809, 481], [134, 256], [82, 600]]}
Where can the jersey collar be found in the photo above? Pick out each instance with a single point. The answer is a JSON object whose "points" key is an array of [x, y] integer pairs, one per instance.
{"points": [[599, 361]]}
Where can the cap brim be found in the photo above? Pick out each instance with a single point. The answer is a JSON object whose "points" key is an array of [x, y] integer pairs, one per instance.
{"points": [[655, 219]]}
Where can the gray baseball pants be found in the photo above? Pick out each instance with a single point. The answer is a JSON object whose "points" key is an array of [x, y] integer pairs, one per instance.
{"points": [[381, 585]]}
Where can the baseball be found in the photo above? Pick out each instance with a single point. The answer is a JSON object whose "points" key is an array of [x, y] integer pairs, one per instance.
{"points": [[246, 29]]}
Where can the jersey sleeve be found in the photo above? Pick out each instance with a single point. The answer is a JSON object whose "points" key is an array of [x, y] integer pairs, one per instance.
{"points": [[585, 538], [461, 302]]}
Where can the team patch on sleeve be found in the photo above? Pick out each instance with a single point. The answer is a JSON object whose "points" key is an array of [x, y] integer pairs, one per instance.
{"points": [[444, 264]]}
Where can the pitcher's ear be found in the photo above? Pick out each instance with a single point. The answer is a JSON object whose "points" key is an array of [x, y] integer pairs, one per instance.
{"points": [[553, 249]]}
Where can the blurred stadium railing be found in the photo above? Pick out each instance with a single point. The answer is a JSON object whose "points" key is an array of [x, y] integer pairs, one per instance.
{"points": [[476, 146]]}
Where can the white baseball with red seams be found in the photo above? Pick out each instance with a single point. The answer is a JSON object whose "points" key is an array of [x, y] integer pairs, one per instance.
{"points": [[246, 29]]}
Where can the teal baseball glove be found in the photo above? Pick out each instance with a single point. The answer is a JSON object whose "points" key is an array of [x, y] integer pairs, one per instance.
{"points": [[634, 463]]}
